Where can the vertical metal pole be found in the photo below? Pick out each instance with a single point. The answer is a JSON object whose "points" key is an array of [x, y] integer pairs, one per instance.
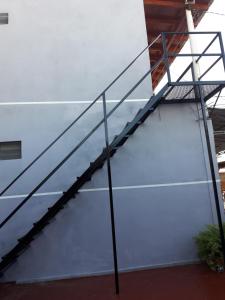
{"points": [[116, 273], [192, 39], [165, 56], [195, 87], [215, 190], [214, 105], [222, 48]]}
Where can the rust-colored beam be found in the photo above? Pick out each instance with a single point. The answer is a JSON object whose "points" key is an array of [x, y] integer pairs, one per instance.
{"points": [[154, 57], [164, 3], [152, 36], [170, 46], [175, 40], [156, 51], [161, 20], [174, 4]]}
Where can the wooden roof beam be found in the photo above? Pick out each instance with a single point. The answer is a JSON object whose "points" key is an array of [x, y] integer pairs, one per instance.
{"points": [[174, 4], [161, 20], [154, 34]]}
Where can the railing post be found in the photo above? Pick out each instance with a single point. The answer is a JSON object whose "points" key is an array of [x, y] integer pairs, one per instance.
{"points": [[192, 40], [165, 57], [196, 89], [213, 175], [222, 48], [116, 273]]}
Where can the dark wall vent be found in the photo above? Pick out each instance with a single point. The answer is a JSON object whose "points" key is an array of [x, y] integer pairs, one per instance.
{"points": [[4, 18], [10, 150]]}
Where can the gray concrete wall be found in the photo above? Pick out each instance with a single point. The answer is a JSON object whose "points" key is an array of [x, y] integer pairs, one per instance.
{"points": [[162, 195]]}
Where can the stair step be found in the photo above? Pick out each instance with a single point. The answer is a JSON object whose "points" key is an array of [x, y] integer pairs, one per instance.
{"points": [[60, 207], [115, 137], [7, 256], [122, 141], [22, 240], [25, 247], [138, 112], [38, 224], [100, 166], [12, 261], [131, 130]]}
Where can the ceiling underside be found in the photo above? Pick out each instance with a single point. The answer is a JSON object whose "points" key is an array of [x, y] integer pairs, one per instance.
{"points": [[167, 16]]}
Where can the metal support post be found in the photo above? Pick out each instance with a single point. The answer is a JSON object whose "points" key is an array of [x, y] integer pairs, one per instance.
{"points": [[222, 48], [192, 39], [212, 170], [116, 273], [165, 57]]}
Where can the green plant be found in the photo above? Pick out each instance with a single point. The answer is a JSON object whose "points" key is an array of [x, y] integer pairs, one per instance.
{"points": [[209, 247]]}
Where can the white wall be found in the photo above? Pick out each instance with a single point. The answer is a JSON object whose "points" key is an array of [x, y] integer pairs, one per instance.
{"points": [[70, 50]]}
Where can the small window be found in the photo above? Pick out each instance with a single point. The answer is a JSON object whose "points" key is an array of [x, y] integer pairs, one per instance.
{"points": [[10, 150], [4, 18]]}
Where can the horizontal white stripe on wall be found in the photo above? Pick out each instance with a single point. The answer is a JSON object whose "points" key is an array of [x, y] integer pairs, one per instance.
{"points": [[68, 102], [116, 188]]}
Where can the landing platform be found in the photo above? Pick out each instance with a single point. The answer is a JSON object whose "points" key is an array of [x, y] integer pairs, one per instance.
{"points": [[193, 282], [185, 91]]}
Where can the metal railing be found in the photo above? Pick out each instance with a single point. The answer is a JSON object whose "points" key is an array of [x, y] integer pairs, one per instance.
{"points": [[165, 60], [199, 56], [220, 55]]}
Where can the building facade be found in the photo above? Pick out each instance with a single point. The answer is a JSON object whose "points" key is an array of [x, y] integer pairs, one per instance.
{"points": [[57, 58]]}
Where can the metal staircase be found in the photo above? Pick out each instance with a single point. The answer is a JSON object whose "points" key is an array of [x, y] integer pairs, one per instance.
{"points": [[118, 141], [172, 92]]}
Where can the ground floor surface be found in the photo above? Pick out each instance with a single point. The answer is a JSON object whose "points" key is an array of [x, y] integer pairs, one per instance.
{"points": [[193, 282]]}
